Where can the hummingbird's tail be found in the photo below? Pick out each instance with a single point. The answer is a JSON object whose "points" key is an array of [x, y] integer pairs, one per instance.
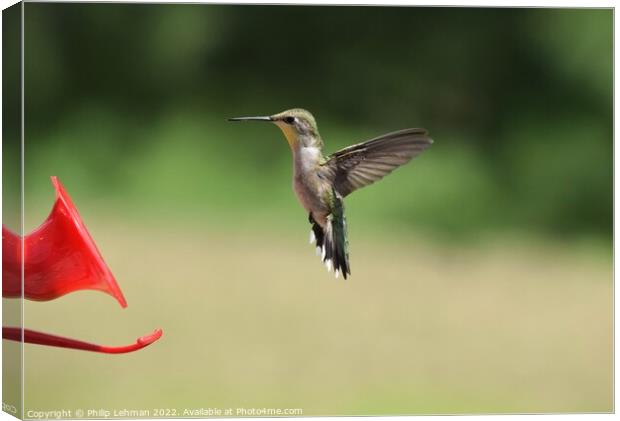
{"points": [[331, 242]]}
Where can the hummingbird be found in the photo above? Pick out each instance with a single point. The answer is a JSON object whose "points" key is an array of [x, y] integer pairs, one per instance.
{"points": [[322, 182]]}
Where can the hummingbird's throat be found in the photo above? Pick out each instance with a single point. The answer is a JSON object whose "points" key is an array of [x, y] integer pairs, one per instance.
{"points": [[289, 133]]}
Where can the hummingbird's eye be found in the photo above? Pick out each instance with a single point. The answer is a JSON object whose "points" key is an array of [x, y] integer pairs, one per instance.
{"points": [[289, 120]]}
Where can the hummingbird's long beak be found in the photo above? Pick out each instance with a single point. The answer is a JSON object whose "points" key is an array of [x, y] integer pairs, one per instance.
{"points": [[260, 118]]}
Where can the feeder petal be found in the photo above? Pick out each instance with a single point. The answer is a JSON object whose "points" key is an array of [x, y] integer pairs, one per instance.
{"points": [[40, 338]]}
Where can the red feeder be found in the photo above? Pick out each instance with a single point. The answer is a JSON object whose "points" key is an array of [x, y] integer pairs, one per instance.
{"points": [[59, 257]]}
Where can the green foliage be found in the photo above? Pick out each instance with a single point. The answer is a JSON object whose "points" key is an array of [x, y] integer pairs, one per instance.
{"points": [[127, 103]]}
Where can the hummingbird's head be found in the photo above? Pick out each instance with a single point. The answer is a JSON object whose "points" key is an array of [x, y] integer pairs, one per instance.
{"points": [[298, 126]]}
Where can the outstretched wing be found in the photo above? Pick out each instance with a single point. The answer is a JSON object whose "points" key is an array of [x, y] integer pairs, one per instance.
{"points": [[364, 163]]}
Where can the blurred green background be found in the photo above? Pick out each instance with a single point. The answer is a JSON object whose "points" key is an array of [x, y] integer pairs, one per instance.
{"points": [[482, 271]]}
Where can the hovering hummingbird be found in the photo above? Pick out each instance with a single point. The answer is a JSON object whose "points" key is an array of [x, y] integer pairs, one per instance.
{"points": [[321, 183]]}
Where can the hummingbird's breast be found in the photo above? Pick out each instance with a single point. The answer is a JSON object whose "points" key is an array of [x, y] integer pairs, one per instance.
{"points": [[310, 188]]}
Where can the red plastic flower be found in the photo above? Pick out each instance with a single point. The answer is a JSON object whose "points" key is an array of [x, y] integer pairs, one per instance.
{"points": [[59, 257]]}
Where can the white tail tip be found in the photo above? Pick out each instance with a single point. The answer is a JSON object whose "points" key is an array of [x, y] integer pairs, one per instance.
{"points": [[337, 273], [329, 265], [312, 237]]}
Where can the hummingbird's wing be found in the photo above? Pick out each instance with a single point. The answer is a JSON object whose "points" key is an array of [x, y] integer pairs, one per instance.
{"points": [[362, 164]]}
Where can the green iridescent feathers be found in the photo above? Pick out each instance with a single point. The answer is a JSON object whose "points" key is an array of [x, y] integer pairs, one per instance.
{"points": [[332, 242]]}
